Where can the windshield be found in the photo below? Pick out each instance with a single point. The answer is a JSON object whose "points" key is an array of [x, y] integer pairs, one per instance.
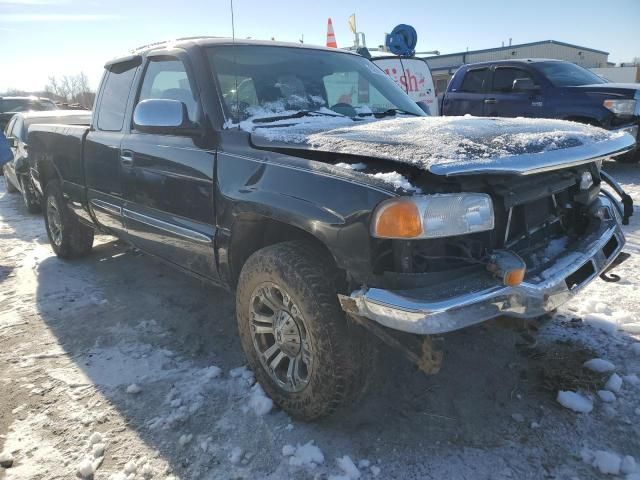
{"points": [[25, 105], [565, 74], [260, 81]]}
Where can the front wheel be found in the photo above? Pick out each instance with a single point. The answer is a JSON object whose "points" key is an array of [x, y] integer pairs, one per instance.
{"points": [[304, 352], [68, 237]]}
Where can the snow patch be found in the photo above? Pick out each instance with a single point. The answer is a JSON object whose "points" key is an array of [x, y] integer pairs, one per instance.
{"points": [[348, 467], [395, 179], [235, 455], [599, 365], [607, 462], [306, 455], [628, 465], [614, 384], [258, 401], [352, 166], [134, 389], [606, 396], [574, 401]]}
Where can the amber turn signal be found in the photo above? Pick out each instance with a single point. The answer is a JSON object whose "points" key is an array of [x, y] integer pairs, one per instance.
{"points": [[514, 277], [398, 219], [508, 266]]}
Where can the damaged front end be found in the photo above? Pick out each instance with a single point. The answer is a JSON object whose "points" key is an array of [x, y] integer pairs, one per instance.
{"points": [[554, 232]]}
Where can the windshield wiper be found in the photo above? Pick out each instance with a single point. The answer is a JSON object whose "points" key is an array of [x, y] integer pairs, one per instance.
{"points": [[388, 113], [299, 114]]}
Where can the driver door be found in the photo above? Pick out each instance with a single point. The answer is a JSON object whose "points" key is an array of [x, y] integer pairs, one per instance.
{"points": [[168, 178], [503, 101]]}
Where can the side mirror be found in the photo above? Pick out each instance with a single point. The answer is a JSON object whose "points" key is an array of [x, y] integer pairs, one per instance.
{"points": [[524, 85], [424, 107], [163, 116]]}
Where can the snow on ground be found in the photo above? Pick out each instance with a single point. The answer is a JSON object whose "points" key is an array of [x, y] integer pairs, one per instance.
{"points": [[119, 365]]}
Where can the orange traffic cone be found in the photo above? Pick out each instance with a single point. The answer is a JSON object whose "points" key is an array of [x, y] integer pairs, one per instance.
{"points": [[331, 38]]}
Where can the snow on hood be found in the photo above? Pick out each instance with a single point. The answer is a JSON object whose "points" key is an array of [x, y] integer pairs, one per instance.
{"points": [[451, 145]]}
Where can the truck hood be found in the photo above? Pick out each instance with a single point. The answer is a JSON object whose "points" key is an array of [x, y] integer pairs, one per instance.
{"points": [[451, 145], [625, 90]]}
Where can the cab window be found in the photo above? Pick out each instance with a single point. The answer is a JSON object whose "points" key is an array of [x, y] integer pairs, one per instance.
{"points": [[474, 81], [115, 95], [504, 77], [167, 79]]}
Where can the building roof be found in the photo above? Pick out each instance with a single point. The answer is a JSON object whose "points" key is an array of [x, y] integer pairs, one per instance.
{"points": [[511, 47]]}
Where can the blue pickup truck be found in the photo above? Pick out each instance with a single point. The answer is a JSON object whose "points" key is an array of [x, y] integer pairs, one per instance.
{"points": [[544, 88]]}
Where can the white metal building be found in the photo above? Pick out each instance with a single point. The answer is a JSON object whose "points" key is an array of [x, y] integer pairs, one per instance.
{"points": [[444, 66]]}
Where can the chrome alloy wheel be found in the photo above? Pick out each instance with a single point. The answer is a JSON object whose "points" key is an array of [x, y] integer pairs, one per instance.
{"points": [[54, 220], [280, 337]]}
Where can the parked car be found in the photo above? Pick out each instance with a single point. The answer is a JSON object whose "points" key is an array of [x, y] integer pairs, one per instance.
{"points": [[11, 105], [17, 172], [330, 221], [543, 88], [414, 77]]}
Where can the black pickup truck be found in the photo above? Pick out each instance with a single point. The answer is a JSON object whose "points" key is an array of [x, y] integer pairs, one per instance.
{"points": [[305, 180]]}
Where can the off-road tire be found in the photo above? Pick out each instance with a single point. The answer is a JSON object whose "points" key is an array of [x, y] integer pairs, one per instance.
{"points": [[342, 351], [75, 239], [28, 197], [8, 185]]}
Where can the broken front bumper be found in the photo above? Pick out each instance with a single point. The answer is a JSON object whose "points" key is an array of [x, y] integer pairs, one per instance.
{"points": [[474, 299]]}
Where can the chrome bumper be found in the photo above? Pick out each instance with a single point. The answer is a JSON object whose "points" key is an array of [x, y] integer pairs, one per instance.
{"points": [[471, 301]]}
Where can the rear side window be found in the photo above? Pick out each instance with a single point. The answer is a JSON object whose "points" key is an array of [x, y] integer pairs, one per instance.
{"points": [[474, 81], [113, 102], [504, 77]]}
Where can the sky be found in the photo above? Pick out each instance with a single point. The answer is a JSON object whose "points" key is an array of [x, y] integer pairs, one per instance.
{"points": [[39, 38]]}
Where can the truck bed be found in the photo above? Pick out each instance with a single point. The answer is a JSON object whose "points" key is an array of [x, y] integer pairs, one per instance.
{"points": [[62, 145]]}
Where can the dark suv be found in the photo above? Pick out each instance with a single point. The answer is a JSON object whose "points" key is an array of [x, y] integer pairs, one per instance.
{"points": [[545, 89]]}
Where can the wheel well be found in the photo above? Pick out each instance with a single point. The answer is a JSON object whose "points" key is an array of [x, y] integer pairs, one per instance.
{"points": [[46, 172], [250, 235], [585, 120]]}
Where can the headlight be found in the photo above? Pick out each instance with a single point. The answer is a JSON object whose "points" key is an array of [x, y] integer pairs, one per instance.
{"points": [[621, 107], [433, 216]]}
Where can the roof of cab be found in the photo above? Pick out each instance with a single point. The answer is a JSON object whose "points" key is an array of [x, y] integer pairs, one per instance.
{"points": [[205, 41], [515, 60]]}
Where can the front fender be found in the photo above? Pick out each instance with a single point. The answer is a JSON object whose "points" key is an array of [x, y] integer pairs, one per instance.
{"points": [[304, 194]]}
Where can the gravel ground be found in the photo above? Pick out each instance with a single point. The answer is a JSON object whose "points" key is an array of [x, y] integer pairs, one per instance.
{"points": [[107, 365]]}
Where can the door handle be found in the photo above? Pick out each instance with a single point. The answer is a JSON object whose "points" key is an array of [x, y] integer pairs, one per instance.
{"points": [[126, 158], [490, 101]]}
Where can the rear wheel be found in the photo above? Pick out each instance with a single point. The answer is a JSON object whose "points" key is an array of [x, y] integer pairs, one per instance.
{"points": [[29, 195], [8, 185], [304, 352], [68, 237]]}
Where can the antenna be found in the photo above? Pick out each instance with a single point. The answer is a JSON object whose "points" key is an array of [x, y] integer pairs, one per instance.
{"points": [[235, 76]]}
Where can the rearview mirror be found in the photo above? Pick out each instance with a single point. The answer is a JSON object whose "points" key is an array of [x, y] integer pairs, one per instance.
{"points": [[524, 85], [162, 116]]}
